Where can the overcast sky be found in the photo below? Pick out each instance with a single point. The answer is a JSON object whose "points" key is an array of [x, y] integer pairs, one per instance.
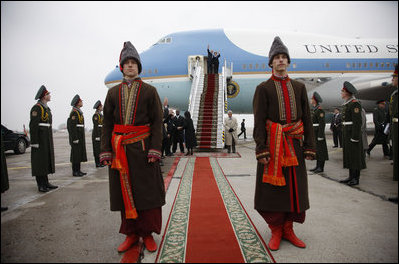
{"points": [[71, 46]]}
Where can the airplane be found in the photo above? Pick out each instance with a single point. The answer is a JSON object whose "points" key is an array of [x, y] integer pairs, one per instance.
{"points": [[321, 62]]}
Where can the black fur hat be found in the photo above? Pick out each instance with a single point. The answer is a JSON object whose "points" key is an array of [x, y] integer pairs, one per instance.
{"points": [[129, 52], [278, 47]]}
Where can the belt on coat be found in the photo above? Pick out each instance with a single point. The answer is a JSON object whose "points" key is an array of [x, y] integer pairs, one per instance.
{"points": [[282, 153], [124, 135], [80, 125], [316, 124], [45, 124], [347, 123]]}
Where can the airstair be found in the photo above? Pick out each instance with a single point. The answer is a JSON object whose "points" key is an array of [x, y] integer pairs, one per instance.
{"points": [[207, 105]]}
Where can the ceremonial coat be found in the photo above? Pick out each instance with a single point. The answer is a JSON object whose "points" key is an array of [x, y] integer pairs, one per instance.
{"points": [[41, 132], [76, 130], [319, 125], [139, 107], [230, 123], [96, 133], [269, 102], [394, 131], [353, 153]]}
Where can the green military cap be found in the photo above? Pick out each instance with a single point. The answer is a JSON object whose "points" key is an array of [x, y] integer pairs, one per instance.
{"points": [[42, 92], [75, 100], [317, 97], [350, 88], [380, 101], [97, 104]]}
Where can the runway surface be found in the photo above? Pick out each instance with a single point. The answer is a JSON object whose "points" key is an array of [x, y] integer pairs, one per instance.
{"points": [[74, 223]]}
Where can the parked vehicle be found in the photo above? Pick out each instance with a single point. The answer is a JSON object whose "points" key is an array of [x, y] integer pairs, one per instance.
{"points": [[16, 141]]}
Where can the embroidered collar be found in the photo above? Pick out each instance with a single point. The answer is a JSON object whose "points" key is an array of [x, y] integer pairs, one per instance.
{"points": [[280, 78]]}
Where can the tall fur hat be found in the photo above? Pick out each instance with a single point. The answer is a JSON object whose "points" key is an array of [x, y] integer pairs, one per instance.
{"points": [[278, 47], [129, 52]]}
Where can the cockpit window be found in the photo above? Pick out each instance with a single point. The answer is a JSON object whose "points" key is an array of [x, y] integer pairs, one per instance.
{"points": [[166, 40]]}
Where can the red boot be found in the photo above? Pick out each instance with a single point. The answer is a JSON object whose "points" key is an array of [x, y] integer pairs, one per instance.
{"points": [[129, 241], [277, 232], [288, 234], [149, 243]]}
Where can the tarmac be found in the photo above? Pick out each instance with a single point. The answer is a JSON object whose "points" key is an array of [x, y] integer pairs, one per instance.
{"points": [[73, 223]]}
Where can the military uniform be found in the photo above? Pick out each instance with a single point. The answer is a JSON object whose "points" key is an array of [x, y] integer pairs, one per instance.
{"points": [[42, 146], [319, 125], [96, 133], [394, 127], [77, 140], [353, 154], [4, 173]]}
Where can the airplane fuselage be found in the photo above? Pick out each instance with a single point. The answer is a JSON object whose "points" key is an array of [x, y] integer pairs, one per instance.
{"points": [[323, 63]]}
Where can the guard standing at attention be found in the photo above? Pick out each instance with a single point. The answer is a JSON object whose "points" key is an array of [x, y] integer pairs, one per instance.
{"points": [[96, 133], [283, 134], [41, 136], [353, 154], [77, 140], [393, 111], [319, 125], [131, 143]]}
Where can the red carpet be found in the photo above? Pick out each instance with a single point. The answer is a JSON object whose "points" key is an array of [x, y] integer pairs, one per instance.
{"points": [[207, 113], [210, 235]]}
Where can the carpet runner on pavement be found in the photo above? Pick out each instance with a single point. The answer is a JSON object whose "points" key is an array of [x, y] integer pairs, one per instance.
{"points": [[207, 222]]}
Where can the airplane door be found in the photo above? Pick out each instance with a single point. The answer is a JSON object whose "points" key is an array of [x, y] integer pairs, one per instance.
{"points": [[192, 61]]}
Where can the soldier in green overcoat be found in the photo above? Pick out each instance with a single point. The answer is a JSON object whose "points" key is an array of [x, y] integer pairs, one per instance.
{"points": [[353, 154], [319, 125], [76, 130], [96, 133], [4, 173], [393, 110], [41, 136]]}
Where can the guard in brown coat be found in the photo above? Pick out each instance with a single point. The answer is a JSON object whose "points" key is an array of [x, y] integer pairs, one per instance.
{"points": [[283, 133], [131, 143]]}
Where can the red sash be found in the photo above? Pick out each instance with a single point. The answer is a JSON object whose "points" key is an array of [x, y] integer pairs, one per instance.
{"points": [[282, 153], [131, 134]]}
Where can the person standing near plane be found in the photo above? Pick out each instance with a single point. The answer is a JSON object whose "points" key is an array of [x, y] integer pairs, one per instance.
{"points": [[353, 154], [393, 112], [319, 124], [283, 134], [96, 133], [379, 117], [230, 128], [131, 143], [215, 62], [41, 136], [336, 128], [243, 130], [77, 140], [210, 61], [178, 137], [189, 133]]}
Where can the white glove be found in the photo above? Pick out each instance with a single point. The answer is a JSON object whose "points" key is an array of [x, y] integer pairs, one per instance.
{"points": [[76, 141], [97, 139]]}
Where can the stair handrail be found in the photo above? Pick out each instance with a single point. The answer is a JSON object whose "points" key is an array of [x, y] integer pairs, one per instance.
{"points": [[194, 88]]}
